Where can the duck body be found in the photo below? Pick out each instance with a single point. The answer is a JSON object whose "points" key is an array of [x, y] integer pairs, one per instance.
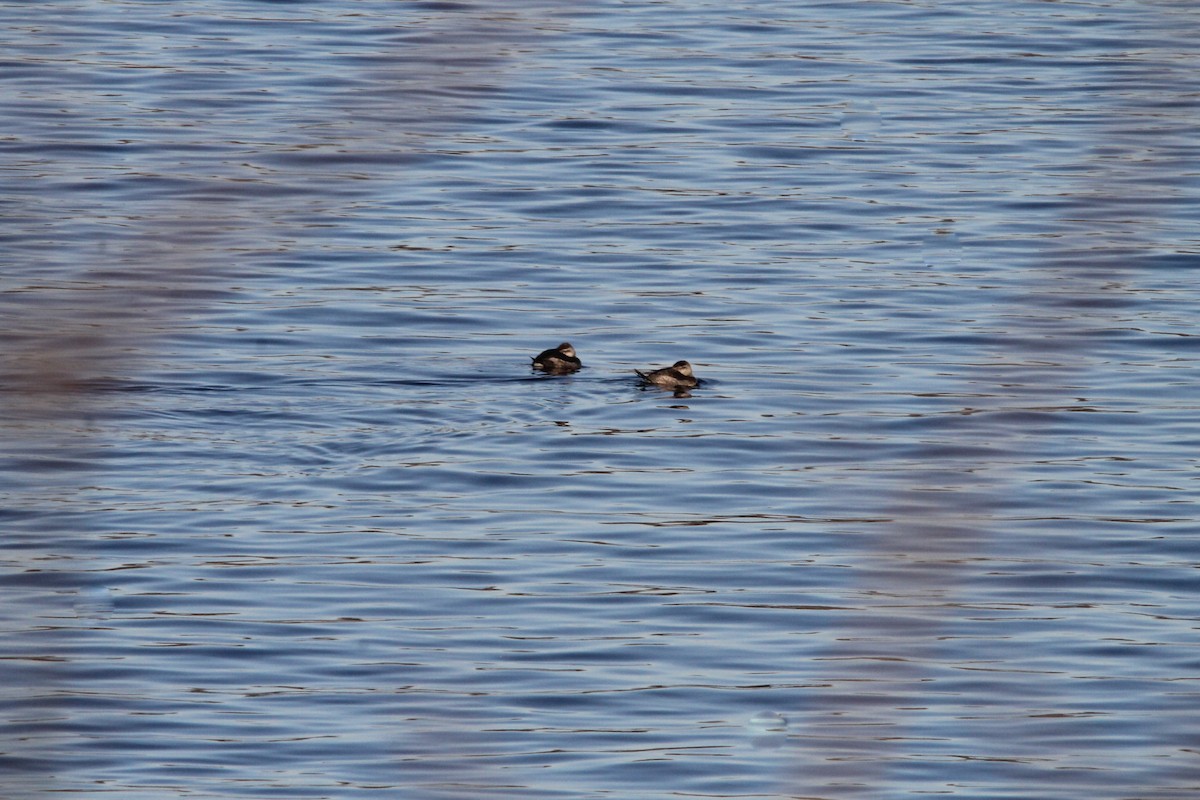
{"points": [[558, 360], [677, 376]]}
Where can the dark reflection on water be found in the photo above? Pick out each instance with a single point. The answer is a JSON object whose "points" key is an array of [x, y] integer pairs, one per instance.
{"points": [[286, 513]]}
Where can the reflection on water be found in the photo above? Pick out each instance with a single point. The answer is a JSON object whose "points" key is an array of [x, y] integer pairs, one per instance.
{"points": [[273, 452], [942, 533]]}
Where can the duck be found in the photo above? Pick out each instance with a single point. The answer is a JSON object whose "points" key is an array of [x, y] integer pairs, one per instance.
{"points": [[677, 376], [557, 360]]}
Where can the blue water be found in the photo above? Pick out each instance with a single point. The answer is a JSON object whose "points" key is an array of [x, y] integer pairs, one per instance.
{"points": [[286, 514]]}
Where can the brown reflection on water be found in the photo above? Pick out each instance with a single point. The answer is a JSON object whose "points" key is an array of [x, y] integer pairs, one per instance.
{"points": [[72, 341], [873, 718]]}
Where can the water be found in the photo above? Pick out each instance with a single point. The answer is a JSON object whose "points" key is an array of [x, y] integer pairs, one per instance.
{"points": [[286, 514]]}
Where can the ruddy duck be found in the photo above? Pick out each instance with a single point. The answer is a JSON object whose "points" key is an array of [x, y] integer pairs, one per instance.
{"points": [[558, 360], [677, 376]]}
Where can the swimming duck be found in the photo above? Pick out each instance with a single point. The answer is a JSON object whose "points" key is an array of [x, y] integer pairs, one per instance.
{"points": [[677, 376], [558, 359]]}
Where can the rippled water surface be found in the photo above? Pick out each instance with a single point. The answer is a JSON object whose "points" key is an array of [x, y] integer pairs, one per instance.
{"points": [[286, 514]]}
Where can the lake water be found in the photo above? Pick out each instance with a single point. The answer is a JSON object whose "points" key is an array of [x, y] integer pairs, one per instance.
{"points": [[286, 514]]}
